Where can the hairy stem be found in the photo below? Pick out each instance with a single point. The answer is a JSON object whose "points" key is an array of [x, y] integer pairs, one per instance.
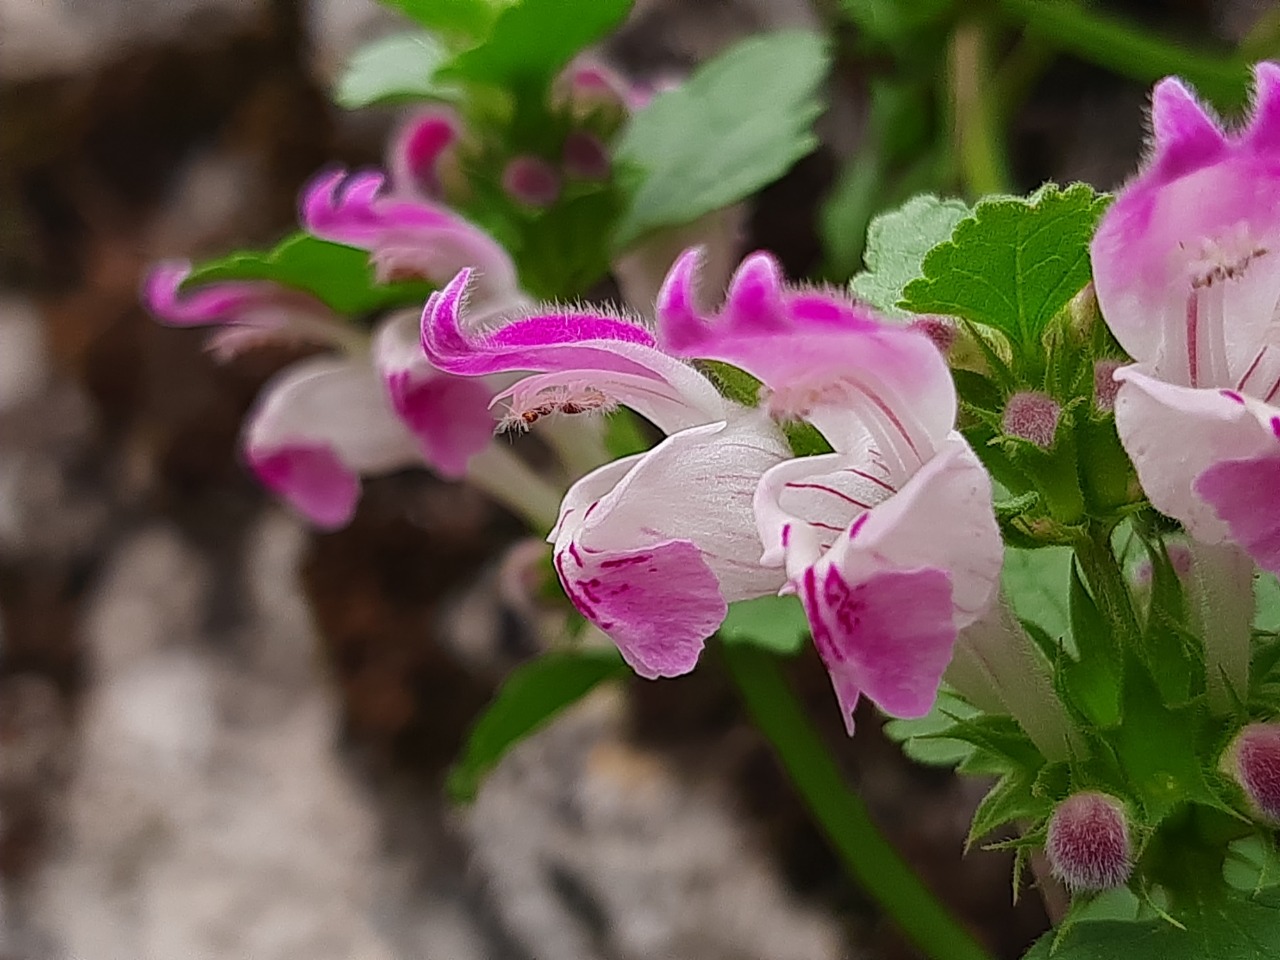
{"points": [[842, 814], [514, 484]]}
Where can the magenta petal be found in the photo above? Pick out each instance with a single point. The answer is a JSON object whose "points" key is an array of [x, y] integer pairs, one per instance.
{"points": [[1244, 495], [889, 637], [418, 149], [1186, 136], [313, 480], [449, 415], [1263, 133], [658, 603]]}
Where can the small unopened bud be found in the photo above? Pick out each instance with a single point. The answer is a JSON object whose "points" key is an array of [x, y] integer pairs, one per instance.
{"points": [[1083, 311], [531, 181], [1088, 843], [1032, 416], [1254, 758], [941, 330], [585, 157], [1105, 386], [423, 148]]}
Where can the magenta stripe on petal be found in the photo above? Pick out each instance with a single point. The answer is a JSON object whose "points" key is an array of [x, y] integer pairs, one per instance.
{"points": [[1243, 494]]}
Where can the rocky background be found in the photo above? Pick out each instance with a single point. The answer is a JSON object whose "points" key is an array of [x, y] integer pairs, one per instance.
{"points": [[222, 735]]}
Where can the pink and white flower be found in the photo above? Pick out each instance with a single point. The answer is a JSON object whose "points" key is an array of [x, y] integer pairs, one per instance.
{"points": [[890, 540], [650, 548], [324, 421], [1186, 271]]}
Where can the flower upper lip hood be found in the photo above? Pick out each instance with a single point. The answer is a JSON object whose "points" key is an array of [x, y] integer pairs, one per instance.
{"points": [[1187, 271], [407, 236], [891, 540], [650, 548]]}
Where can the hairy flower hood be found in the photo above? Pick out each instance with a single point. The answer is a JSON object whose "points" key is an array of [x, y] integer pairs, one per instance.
{"points": [[890, 540], [324, 421], [650, 548], [1187, 277]]}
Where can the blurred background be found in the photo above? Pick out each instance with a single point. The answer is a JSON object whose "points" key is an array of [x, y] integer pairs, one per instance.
{"points": [[223, 735]]}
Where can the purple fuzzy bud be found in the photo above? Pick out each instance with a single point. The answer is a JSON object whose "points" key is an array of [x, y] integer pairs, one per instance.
{"points": [[941, 330], [1256, 760], [1088, 843], [585, 157], [531, 181], [1105, 386], [1032, 416]]}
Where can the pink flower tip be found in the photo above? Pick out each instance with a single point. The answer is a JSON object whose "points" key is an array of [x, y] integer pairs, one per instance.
{"points": [[1088, 842], [1105, 385], [531, 181], [1254, 759], [1032, 416]]}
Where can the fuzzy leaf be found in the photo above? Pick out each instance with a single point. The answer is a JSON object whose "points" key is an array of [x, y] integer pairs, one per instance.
{"points": [[1036, 583], [924, 740], [399, 67], [897, 243], [531, 40], [737, 124], [1091, 676], [1014, 263], [1011, 799], [776, 624], [1234, 928], [336, 275], [531, 696]]}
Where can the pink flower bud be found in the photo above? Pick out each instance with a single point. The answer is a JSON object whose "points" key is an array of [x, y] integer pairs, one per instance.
{"points": [[585, 157], [1088, 843], [941, 330], [1105, 386], [1032, 416], [1255, 760], [531, 181]]}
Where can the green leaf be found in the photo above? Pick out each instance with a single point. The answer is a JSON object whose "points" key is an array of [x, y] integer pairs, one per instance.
{"points": [[1266, 588], [1252, 864], [1010, 800], [1036, 583], [624, 434], [892, 20], [532, 695], [777, 624], [924, 740], [1237, 928], [738, 123], [533, 39], [468, 20], [897, 242], [1091, 677], [336, 275], [1014, 263], [398, 67]]}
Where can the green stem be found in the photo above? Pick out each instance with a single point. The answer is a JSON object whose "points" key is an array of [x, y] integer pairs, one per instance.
{"points": [[1108, 584], [979, 139], [1131, 50], [842, 814]]}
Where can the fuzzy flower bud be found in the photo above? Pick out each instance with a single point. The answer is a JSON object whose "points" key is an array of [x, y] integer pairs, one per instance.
{"points": [[1105, 386], [1088, 843], [1254, 759], [531, 181], [1032, 416], [941, 330]]}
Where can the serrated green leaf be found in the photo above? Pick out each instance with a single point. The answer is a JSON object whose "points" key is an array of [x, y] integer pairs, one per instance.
{"points": [[1014, 263], [1235, 928], [531, 696], [1036, 583], [530, 41], [336, 275], [923, 740], [399, 67], [777, 624], [1090, 678], [1010, 800], [737, 124], [1252, 864], [466, 20], [897, 243]]}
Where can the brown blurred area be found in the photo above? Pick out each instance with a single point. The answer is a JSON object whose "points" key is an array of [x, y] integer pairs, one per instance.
{"points": [[223, 735]]}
